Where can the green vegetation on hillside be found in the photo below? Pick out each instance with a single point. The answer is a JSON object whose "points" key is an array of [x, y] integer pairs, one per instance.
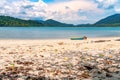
{"points": [[7, 21], [54, 23], [10, 21], [113, 20]]}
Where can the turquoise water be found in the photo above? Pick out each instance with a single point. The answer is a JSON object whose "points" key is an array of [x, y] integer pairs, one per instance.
{"points": [[57, 32]]}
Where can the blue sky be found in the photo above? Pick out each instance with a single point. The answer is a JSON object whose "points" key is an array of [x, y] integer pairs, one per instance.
{"points": [[67, 11], [48, 1]]}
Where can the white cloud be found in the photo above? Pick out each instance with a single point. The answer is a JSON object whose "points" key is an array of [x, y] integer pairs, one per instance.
{"points": [[69, 11], [109, 4], [72, 11], [22, 8], [106, 3], [117, 7]]}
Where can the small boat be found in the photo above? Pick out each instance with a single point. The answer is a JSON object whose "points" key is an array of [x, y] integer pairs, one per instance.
{"points": [[79, 38]]}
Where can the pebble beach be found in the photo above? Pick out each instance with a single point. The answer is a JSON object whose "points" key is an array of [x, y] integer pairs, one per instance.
{"points": [[63, 59]]}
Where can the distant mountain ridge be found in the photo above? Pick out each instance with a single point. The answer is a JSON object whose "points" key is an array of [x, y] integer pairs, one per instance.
{"points": [[15, 22], [7, 21], [113, 20], [54, 23]]}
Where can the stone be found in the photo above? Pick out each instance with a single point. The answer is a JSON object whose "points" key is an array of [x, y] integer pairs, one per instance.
{"points": [[112, 70]]}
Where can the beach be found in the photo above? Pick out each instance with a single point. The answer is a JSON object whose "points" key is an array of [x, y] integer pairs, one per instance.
{"points": [[60, 59]]}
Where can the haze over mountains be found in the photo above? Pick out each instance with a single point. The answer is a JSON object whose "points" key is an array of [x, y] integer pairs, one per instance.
{"points": [[7, 21]]}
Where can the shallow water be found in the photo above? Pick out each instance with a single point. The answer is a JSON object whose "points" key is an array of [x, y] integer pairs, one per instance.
{"points": [[57, 32]]}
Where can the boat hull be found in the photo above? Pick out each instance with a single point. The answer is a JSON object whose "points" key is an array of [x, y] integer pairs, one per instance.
{"points": [[77, 38]]}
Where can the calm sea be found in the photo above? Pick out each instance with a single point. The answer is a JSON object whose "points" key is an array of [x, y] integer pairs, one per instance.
{"points": [[57, 32]]}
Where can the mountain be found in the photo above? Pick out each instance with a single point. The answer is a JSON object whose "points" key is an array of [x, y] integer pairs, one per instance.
{"points": [[51, 22], [6, 21], [54, 23], [113, 20], [10, 21], [84, 25]]}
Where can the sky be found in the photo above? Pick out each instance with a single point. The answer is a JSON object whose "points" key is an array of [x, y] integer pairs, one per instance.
{"points": [[66, 11]]}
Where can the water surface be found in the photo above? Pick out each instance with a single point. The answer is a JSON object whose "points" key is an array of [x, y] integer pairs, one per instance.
{"points": [[57, 32]]}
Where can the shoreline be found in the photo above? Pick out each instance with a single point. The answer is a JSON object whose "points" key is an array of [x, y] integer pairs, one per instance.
{"points": [[41, 41], [60, 38], [95, 58]]}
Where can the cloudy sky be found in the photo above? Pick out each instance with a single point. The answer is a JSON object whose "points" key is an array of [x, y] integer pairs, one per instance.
{"points": [[68, 11]]}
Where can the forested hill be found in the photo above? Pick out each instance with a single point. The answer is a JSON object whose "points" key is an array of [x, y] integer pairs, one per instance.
{"points": [[113, 20], [7, 21], [54, 23], [10, 21]]}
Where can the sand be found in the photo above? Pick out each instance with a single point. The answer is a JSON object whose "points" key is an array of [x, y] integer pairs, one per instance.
{"points": [[57, 59]]}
